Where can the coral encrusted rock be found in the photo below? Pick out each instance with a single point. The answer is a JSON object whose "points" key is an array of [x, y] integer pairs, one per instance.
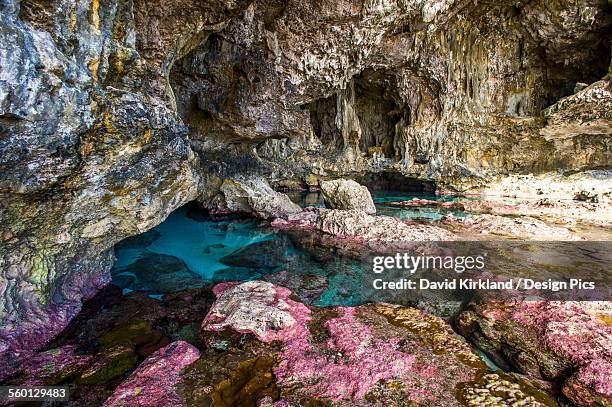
{"points": [[154, 382], [555, 341], [352, 356]]}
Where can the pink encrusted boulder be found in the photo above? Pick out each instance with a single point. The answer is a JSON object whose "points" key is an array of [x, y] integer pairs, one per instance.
{"points": [[154, 382], [256, 307], [547, 340], [350, 356]]}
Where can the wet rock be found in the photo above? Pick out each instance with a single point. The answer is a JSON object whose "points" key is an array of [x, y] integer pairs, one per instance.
{"points": [[110, 364], [550, 340], [138, 335], [154, 382], [368, 355], [47, 368], [503, 389], [347, 194], [237, 274], [308, 286]]}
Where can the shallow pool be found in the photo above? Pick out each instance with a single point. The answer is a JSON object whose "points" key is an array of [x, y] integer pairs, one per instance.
{"points": [[190, 250]]}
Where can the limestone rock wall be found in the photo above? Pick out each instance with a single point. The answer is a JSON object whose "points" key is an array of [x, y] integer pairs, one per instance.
{"points": [[460, 87], [91, 150]]}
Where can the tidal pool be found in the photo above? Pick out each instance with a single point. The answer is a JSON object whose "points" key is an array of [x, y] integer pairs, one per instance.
{"points": [[190, 250]]}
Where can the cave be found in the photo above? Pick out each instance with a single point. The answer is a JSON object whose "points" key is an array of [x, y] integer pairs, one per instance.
{"points": [[375, 115], [235, 203], [394, 181]]}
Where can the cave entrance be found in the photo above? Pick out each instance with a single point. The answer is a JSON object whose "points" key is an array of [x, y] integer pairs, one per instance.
{"points": [[389, 181], [364, 115]]}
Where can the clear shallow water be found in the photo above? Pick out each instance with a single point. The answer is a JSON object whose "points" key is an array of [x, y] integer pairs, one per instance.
{"points": [[381, 200], [422, 213], [188, 250]]}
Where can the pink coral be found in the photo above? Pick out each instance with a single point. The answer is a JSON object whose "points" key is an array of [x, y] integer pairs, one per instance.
{"points": [[587, 342], [363, 360], [153, 382]]}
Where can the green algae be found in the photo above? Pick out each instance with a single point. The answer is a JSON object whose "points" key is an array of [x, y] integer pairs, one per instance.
{"points": [[114, 363]]}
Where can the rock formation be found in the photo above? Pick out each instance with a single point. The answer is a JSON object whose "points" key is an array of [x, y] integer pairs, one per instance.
{"points": [[369, 355], [551, 340], [153, 383], [347, 194], [113, 114]]}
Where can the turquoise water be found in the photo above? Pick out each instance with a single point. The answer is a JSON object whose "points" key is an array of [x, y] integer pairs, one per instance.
{"points": [[422, 213], [189, 250], [381, 199]]}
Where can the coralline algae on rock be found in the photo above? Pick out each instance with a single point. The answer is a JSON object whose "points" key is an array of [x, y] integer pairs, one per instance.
{"points": [[352, 356], [548, 339], [154, 382], [256, 307]]}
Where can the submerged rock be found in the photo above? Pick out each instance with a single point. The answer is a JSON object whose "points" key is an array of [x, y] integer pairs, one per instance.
{"points": [[154, 382], [347, 194], [158, 273], [268, 254], [555, 341]]}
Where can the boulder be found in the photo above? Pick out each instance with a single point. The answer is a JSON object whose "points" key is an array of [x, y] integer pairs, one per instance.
{"points": [[250, 195], [347, 194], [154, 382]]}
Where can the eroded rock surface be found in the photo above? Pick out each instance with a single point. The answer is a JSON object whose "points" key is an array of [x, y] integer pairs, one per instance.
{"points": [[551, 340], [368, 355], [347, 194], [154, 382]]}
